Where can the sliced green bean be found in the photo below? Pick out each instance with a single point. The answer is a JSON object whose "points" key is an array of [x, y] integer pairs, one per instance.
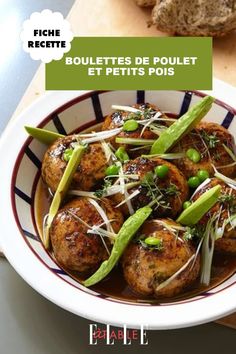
{"points": [[44, 136], [62, 189], [191, 215], [182, 126], [127, 231]]}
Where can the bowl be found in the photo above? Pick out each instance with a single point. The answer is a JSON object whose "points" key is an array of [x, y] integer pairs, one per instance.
{"points": [[21, 158]]}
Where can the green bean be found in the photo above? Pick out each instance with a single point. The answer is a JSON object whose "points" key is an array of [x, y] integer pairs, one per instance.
{"points": [[62, 189], [44, 136], [182, 126], [200, 207], [127, 231]]}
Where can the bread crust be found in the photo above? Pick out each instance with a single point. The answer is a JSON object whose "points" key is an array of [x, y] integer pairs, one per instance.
{"points": [[214, 18], [145, 3]]}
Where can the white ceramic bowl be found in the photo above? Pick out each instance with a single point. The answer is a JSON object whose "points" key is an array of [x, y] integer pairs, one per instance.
{"points": [[20, 163]]}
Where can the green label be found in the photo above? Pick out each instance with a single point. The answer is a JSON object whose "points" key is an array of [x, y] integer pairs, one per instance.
{"points": [[125, 63]]}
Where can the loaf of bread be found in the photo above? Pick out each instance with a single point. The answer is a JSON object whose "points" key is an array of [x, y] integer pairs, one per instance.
{"points": [[145, 3], [195, 17]]}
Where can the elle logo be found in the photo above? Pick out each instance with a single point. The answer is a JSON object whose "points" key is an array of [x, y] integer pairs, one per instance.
{"points": [[110, 336]]}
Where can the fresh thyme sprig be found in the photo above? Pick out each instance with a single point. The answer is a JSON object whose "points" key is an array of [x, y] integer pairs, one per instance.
{"points": [[153, 191], [195, 232], [211, 140], [228, 200], [156, 193], [216, 156], [171, 190], [147, 113]]}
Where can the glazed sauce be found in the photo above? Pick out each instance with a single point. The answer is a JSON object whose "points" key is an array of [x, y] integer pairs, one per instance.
{"points": [[115, 285]]}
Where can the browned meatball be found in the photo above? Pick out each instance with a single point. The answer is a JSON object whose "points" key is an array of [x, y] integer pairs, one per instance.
{"points": [[146, 267], [73, 247], [226, 207], [208, 139], [116, 120], [90, 171], [166, 194]]}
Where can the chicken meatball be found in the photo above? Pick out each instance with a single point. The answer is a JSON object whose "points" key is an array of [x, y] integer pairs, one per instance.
{"points": [[116, 120], [146, 265], [75, 248], [209, 140], [225, 209], [166, 195], [90, 171]]}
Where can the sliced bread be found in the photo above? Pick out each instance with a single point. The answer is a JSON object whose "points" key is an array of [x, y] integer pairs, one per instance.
{"points": [[145, 3], [195, 17]]}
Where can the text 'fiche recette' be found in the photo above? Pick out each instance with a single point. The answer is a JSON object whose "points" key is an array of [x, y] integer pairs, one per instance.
{"points": [[51, 43]]}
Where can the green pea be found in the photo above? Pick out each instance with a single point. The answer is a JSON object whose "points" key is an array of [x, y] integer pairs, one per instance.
{"points": [[161, 171], [203, 175], [189, 153], [186, 204], [121, 154], [194, 182], [112, 170], [130, 125], [193, 155], [153, 241], [196, 157], [67, 154]]}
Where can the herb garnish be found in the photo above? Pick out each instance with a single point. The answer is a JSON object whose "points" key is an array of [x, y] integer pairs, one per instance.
{"points": [[156, 193], [226, 198], [147, 113], [100, 192], [210, 139], [171, 190], [195, 232], [229, 200], [216, 156]]}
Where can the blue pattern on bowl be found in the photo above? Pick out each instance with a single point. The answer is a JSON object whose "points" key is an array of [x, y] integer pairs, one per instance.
{"points": [[83, 112]]}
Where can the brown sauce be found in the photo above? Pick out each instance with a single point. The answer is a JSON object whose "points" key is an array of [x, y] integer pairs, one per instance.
{"points": [[115, 285]]}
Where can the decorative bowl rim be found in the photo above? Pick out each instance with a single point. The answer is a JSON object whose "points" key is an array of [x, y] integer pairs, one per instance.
{"points": [[98, 309]]}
